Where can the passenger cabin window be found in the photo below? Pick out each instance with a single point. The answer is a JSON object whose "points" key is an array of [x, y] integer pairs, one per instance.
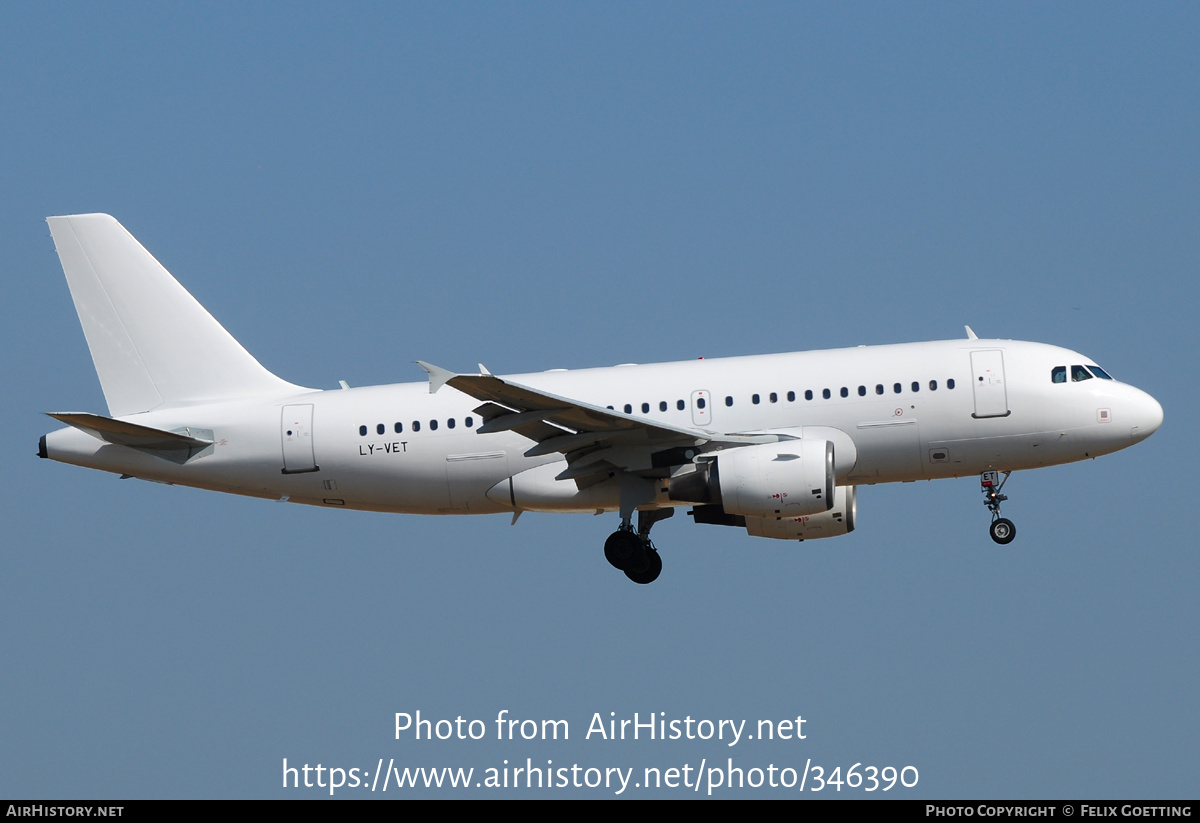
{"points": [[896, 388], [808, 394], [879, 388], [933, 385], [845, 392], [825, 393], [754, 399], [862, 391], [791, 397], [450, 423], [728, 400], [380, 429], [950, 383], [645, 408], [679, 404], [469, 422], [916, 387], [662, 405], [416, 426], [701, 402], [399, 427], [774, 397], [433, 425], [1079, 374], [628, 409], [1058, 374], [362, 430]]}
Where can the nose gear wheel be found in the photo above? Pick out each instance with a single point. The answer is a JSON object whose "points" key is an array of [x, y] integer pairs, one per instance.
{"points": [[1002, 529]]}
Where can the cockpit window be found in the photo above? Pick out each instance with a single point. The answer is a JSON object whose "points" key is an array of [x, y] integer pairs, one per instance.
{"points": [[1058, 374], [1099, 372], [1079, 374]]}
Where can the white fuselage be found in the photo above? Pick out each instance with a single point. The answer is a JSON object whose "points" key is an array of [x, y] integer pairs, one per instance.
{"points": [[894, 413]]}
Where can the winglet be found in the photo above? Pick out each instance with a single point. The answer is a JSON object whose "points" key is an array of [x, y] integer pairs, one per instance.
{"points": [[437, 375], [971, 335], [483, 370]]}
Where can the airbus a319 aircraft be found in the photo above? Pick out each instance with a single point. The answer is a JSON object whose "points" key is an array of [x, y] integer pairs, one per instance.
{"points": [[775, 444]]}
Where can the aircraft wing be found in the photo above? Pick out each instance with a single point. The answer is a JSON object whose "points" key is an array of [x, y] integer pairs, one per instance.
{"points": [[594, 439]]}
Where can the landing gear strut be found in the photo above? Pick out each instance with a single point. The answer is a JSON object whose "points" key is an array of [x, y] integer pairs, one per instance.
{"points": [[1002, 529], [632, 552]]}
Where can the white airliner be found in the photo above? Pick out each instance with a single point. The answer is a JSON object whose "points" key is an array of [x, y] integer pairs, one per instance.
{"points": [[774, 443]]}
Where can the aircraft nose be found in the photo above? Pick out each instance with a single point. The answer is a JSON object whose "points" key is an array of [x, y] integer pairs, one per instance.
{"points": [[1146, 415]]}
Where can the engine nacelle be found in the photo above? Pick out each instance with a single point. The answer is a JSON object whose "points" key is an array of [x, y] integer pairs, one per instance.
{"points": [[786, 479], [837, 521]]}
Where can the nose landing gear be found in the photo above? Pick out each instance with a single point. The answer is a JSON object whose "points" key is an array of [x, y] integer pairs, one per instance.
{"points": [[1002, 529]]}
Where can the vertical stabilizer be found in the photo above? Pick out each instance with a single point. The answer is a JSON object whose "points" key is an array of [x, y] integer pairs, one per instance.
{"points": [[153, 345]]}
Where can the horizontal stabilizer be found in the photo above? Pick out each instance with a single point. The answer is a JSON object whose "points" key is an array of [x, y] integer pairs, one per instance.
{"points": [[129, 434]]}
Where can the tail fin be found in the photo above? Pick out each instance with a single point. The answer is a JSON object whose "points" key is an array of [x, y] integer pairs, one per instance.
{"points": [[152, 343]]}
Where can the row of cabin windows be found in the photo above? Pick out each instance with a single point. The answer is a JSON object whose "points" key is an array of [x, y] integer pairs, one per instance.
{"points": [[756, 399], [398, 428], [1058, 374], [662, 406], [897, 388]]}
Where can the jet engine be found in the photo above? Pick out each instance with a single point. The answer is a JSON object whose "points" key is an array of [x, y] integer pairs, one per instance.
{"points": [[790, 478], [837, 521]]}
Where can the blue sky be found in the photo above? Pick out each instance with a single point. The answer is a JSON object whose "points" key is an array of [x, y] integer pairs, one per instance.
{"points": [[350, 189]]}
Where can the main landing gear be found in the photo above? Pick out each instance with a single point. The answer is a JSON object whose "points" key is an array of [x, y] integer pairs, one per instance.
{"points": [[1002, 529], [632, 552]]}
